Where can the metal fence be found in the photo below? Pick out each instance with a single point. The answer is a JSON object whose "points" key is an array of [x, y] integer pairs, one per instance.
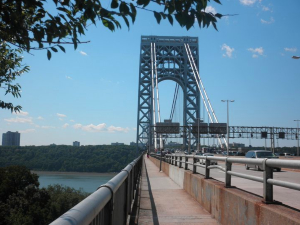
{"points": [[111, 203], [267, 166]]}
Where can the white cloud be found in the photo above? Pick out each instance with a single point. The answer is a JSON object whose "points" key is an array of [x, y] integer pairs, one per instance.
{"points": [[210, 9], [100, 128], [20, 120], [77, 126], [247, 2], [119, 129], [40, 118], [228, 50], [26, 131], [60, 115], [256, 51], [134, 128], [290, 49], [47, 127], [68, 77], [61, 119], [94, 128], [265, 8], [83, 53], [267, 22], [21, 113], [65, 125], [72, 121]]}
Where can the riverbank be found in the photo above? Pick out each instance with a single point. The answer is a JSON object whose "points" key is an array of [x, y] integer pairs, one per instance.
{"points": [[72, 173]]}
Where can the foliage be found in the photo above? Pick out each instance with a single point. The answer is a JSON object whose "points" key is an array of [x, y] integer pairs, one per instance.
{"points": [[10, 69], [100, 158], [62, 199], [28, 25], [22, 202]]}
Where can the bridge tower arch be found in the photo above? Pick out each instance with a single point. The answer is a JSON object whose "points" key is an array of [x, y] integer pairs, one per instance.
{"points": [[172, 63]]}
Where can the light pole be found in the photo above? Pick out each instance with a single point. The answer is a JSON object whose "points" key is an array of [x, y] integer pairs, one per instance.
{"points": [[297, 136], [227, 123]]}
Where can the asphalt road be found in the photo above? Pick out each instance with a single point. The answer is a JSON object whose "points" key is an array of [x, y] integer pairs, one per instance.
{"points": [[287, 196]]}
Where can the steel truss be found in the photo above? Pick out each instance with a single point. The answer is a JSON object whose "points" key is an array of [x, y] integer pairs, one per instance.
{"points": [[171, 63], [236, 132]]}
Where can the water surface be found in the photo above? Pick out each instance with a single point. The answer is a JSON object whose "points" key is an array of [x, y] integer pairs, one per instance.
{"points": [[89, 182]]}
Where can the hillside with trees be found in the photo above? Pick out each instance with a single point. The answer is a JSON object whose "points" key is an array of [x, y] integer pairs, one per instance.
{"points": [[99, 158], [22, 202]]}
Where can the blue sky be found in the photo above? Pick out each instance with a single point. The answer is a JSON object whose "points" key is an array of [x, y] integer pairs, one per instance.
{"points": [[90, 95]]}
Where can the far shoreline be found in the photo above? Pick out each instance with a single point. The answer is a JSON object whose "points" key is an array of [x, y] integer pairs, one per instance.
{"points": [[39, 172]]}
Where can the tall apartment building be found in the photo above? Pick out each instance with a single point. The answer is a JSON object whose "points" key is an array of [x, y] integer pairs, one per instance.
{"points": [[11, 138], [76, 143]]}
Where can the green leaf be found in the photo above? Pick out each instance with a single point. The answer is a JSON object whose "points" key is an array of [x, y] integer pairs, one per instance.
{"points": [[179, 19], [157, 17], [133, 9], [48, 54], [124, 8], [215, 26], [170, 18], [190, 19], [114, 4], [217, 1], [218, 15], [146, 2], [62, 48], [53, 49], [126, 21]]}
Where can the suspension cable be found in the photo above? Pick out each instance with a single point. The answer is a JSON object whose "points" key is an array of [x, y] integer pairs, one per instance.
{"points": [[153, 99], [174, 101], [157, 94], [194, 68]]}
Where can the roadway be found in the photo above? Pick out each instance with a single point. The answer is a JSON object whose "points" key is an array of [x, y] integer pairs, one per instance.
{"points": [[287, 196]]}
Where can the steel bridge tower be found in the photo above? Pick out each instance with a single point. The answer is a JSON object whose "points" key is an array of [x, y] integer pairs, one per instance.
{"points": [[172, 64]]}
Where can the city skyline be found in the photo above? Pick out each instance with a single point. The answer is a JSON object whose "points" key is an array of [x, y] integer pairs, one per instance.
{"points": [[91, 94]]}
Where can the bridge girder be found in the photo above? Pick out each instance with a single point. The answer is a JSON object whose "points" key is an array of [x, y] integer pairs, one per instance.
{"points": [[172, 64]]}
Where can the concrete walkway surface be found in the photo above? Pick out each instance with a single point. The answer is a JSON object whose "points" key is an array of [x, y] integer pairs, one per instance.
{"points": [[164, 202]]}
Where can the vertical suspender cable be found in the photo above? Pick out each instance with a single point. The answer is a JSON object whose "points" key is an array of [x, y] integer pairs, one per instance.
{"points": [[153, 98], [157, 94]]}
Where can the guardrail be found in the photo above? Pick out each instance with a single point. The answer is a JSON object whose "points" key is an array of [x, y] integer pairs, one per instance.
{"points": [[267, 166], [111, 203]]}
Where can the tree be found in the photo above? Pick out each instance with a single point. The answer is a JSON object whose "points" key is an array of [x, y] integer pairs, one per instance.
{"points": [[26, 25]]}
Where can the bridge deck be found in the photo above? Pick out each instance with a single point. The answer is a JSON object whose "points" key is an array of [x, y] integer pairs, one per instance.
{"points": [[165, 202]]}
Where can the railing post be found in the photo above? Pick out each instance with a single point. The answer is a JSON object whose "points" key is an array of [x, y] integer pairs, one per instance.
{"points": [[268, 188], [227, 176], [180, 162], [194, 166], [176, 157], [186, 159], [207, 164], [172, 158]]}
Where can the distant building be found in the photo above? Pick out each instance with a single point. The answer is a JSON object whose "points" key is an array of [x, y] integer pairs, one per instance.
{"points": [[53, 144], [11, 138], [132, 143], [117, 143], [76, 143]]}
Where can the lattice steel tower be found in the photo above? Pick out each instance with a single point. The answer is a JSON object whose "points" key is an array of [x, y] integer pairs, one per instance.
{"points": [[172, 63]]}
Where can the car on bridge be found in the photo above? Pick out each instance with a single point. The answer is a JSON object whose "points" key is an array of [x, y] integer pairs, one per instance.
{"points": [[212, 162], [260, 154]]}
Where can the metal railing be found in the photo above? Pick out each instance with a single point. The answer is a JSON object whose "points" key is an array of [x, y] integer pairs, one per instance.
{"points": [[267, 166], [111, 203]]}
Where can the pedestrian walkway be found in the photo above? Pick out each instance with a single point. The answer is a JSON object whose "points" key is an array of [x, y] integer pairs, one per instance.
{"points": [[164, 202]]}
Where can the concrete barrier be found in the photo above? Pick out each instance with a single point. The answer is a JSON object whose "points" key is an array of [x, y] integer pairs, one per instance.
{"points": [[230, 206]]}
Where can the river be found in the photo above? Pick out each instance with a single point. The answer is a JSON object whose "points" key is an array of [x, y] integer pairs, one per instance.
{"points": [[89, 182]]}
